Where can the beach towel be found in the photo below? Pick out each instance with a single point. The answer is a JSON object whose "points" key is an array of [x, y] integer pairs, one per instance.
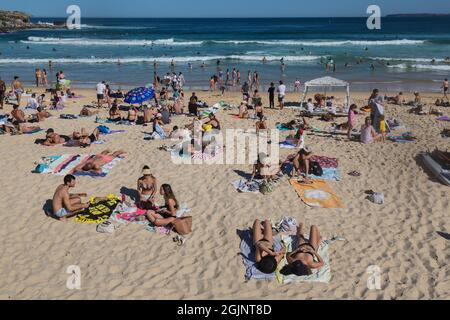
{"points": [[404, 137], [333, 174], [99, 211], [114, 132], [105, 169], [317, 194], [325, 162], [60, 165], [287, 145], [218, 150], [247, 250], [443, 118], [322, 274], [245, 187], [68, 116], [35, 130]]}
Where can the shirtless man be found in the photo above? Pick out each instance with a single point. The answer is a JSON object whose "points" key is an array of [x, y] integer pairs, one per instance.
{"points": [[18, 115], [42, 114], [66, 205], [17, 88], [96, 163], [445, 87], [53, 139]]}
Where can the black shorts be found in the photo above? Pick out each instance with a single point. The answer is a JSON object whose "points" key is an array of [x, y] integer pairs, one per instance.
{"points": [[100, 96], [445, 89], [92, 138]]}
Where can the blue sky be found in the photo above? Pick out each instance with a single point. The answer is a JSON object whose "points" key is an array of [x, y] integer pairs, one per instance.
{"points": [[224, 8]]}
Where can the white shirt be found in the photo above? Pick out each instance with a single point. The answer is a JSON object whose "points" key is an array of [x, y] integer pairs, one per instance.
{"points": [[282, 89], [32, 103], [310, 107], [101, 88]]}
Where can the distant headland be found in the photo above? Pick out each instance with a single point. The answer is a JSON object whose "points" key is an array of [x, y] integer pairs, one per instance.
{"points": [[14, 21]]}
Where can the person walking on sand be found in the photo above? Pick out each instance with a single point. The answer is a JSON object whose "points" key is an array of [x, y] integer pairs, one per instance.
{"points": [[271, 92], [66, 205], [38, 76], [281, 94], [2, 92], [101, 88], [17, 89], [445, 88], [44, 78]]}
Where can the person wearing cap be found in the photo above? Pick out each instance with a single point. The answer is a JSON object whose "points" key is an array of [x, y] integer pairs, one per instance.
{"points": [[305, 257], [301, 163], [146, 186]]}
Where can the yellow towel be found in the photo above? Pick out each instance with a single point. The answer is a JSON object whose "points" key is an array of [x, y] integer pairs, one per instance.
{"points": [[317, 194]]}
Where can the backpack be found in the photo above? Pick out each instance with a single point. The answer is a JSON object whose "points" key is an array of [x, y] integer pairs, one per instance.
{"points": [[266, 187], [315, 169]]}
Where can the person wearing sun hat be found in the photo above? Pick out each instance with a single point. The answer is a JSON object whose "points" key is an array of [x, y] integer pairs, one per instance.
{"points": [[147, 187], [243, 110]]}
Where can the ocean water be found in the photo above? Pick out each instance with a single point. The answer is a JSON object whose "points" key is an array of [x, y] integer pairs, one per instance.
{"points": [[401, 52]]}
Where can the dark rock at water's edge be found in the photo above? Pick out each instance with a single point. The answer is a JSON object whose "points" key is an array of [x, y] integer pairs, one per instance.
{"points": [[14, 21]]}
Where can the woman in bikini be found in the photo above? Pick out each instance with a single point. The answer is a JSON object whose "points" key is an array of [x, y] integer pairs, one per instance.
{"points": [[96, 163], [305, 256], [266, 258], [167, 214], [301, 162], [52, 138], [82, 139], [146, 186], [114, 113], [132, 115]]}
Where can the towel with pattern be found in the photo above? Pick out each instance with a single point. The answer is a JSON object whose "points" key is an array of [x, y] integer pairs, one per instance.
{"points": [[317, 194]]}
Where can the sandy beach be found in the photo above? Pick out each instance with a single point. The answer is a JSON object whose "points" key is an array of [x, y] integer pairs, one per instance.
{"points": [[399, 236]]}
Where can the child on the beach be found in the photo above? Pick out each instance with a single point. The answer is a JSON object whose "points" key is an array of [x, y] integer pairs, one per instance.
{"points": [[383, 128]]}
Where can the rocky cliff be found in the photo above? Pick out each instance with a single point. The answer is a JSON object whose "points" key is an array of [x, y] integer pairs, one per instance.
{"points": [[14, 21]]}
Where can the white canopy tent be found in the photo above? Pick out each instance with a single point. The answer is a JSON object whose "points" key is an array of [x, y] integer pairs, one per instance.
{"points": [[327, 82]]}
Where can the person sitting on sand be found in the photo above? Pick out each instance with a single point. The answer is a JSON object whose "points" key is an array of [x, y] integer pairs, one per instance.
{"points": [[264, 168], [167, 214], [213, 122], [243, 110], [18, 115], [41, 115], [266, 258], [301, 163], [114, 114], [261, 125], [85, 112], [96, 163], [146, 186], [305, 256], [53, 139], [368, 133], [132, 115], [399, 99], [298, 139], [417, 98], [66, 205]]}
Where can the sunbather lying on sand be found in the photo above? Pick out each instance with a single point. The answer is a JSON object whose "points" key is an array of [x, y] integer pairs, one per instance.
{"points": [[266, 258], [305, 257], [52, 138], [168, 213], [66, 205], [146, 186], [96, 163], [82, 139], [85, 112]]}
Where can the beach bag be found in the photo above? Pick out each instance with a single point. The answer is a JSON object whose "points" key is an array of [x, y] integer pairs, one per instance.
{"points": [[315, 169], [183, 226], [266, 187], [103, 129]]}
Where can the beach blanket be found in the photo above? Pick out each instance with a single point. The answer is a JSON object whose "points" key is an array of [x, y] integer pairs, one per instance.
{"points": [[248, 256], [317, 194], [242, 185], [282, 127], [98, 212], [218, 150], [287, 145], [443, 118], [113, 132], [68, 116], [322, 274], [333, 174], [394, 124], [105, 169], [35, 130], [326, 162], [404, 137]]}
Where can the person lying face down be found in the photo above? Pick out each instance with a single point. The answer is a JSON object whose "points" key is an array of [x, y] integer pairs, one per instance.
{"points": [[96, 163]]}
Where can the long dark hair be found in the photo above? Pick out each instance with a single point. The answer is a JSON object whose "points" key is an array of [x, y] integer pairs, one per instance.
{"points": [[168, 192]]}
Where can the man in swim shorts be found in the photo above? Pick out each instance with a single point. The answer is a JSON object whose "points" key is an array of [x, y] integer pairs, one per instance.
{"points": [[17, 88], [64, 204]]}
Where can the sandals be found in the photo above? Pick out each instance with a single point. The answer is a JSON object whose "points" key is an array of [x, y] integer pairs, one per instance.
{"points": [[180, 240], [354, 174]]}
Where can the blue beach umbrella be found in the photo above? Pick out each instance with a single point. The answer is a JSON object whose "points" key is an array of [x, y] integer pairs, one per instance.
{"points": [[139, 95]]}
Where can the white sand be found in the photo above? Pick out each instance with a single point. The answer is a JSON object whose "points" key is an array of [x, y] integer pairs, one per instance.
{"points": [[399, 236]]}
